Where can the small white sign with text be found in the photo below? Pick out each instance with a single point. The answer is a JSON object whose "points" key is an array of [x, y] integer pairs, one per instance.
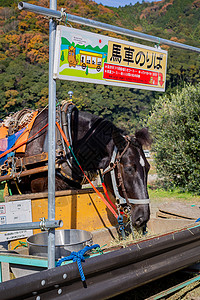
{"points": [[15, 212]]}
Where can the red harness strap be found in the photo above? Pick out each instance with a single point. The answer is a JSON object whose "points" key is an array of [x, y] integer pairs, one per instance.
{"points": [[94, 188], [106, 192]]}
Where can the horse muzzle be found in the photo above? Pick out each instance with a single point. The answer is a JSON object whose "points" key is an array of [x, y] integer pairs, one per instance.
{"points": [[140, 214]]}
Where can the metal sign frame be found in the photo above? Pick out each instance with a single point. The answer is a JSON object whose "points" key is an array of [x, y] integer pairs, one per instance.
{"points": [[55, 15]]}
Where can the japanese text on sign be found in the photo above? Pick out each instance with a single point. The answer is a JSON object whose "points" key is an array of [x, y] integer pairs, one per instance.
{"points": [[135, 57], [130, 74], [89, 57]]}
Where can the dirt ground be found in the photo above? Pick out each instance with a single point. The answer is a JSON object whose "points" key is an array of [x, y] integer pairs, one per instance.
{"points": [[190, 292]]}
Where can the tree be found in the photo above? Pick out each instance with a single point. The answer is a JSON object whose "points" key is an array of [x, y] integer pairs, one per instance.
{"points": [[175, 126]]}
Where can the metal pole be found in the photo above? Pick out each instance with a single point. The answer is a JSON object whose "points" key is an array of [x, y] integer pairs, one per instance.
{"points": [[104, 26], [52, 13], [32, 225], [51, 139], [129, 32]]}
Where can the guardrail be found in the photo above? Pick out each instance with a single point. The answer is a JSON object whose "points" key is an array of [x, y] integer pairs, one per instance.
{"points": [[113, 272]]}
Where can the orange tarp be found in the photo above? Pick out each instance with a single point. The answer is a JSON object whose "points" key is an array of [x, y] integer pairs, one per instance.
{"points": [[3, 132]]}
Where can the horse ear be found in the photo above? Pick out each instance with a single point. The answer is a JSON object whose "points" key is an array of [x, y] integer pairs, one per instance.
{"points": [[143, 137], [118, 139]]}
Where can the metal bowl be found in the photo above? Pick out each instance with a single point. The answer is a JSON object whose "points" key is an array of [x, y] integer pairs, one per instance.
{"points": [[66, 241]]}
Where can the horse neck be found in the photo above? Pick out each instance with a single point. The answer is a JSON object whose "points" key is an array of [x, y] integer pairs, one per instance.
{"points": [[37, 146], [93, 141]]}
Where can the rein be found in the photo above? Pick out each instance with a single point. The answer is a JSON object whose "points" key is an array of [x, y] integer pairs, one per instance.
{"points": [[95, 189], [115, 162]]}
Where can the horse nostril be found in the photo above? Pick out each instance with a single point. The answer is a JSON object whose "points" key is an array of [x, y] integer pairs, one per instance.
{"points": [[139, 222]]}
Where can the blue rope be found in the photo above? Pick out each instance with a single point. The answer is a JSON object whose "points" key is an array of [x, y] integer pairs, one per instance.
{"points": [[121, 226], [78, 257]]}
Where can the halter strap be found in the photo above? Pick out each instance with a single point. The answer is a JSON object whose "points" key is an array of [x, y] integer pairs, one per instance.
{"points": [[121, 199]]}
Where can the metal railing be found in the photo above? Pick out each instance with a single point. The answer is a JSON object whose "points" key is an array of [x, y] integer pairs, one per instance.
{"points": [[43, 225]]}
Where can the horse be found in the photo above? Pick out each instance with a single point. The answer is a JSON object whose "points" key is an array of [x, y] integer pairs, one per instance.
{"points": [[97, 145]]}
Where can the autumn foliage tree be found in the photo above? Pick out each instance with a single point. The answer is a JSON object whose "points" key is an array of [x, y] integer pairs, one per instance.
{"points": [[24, 56]]}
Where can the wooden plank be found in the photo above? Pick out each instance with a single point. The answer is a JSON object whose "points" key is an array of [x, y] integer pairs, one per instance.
{"points": [[45, 194], [26, 173], [33, 159], [180, 210], [163, 215]]}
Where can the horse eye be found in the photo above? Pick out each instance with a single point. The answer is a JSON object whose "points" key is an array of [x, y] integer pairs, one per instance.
{"points": [[130, 169]]}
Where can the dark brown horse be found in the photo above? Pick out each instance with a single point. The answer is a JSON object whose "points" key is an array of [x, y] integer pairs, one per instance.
{"points": [[97, 144]]}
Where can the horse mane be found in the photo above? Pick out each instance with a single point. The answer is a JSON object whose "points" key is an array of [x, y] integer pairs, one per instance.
{"points": [[143, 137], [118, 138]]}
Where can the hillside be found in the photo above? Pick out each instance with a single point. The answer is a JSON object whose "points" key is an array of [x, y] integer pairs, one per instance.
{"points": [[24, 56]]}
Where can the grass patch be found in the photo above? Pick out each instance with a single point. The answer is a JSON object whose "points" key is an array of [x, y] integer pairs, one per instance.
{"points": [[152, 170], [176, 194], [81, 73]]}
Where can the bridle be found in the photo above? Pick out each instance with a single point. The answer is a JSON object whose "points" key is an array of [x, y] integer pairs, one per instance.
{"points": [[115, 163]]}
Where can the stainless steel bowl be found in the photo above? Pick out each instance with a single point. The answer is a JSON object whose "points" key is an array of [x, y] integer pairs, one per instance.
{"points": [[66, 241]]}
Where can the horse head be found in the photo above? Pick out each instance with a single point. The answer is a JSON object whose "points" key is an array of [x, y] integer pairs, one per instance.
{"points": [[126, 176]]}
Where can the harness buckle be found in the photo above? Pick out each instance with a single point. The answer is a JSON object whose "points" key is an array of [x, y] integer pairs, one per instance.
{"points": [[118, 205], [127, 209]]}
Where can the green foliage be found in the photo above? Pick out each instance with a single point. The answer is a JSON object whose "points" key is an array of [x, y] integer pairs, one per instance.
{"points": [[175, 125], [22, 85], [24, 56]]}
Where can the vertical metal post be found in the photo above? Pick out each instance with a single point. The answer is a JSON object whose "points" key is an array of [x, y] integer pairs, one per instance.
{"points": [[51, 139], [0, 272]]}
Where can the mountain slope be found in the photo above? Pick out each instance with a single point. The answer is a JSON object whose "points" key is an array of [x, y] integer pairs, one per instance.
{"points": [[24, 56]]}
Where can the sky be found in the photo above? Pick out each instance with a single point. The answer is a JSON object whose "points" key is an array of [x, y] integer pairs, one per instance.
{"points": [[118, 3]]}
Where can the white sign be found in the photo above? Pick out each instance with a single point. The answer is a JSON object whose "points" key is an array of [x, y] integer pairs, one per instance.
{"points": [[88, 57], [15, 212]]}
